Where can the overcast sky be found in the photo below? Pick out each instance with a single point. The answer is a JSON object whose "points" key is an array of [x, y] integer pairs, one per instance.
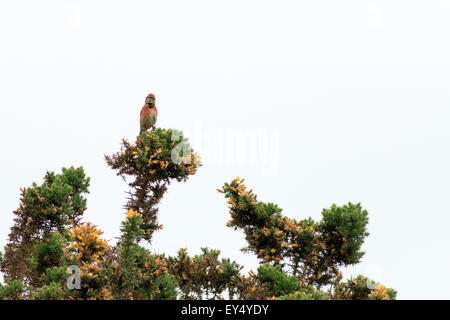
{"points": [[333, 101]]}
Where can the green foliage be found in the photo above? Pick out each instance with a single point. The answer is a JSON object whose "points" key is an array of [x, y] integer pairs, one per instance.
{"points": [[306, 293], [354, 289], [52, 291], [57, 203], [55, 274], [311, 251], [151, 163], [382, 293], [12, 290], [362, 288], [276, 281], [298, 258], [136, 273], [344, 229], [164, 287], [204, 276], [54, 206], [48, 253], [130, 256], [54, 285]]}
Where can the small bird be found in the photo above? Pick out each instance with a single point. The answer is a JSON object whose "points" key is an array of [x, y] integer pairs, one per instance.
{"points": [[149, 113]]}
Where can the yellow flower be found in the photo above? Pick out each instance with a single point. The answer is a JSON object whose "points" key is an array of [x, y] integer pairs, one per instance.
{"points": [[132, 213], [238, 179], [134, 152], [164, 164], [147, 148]]}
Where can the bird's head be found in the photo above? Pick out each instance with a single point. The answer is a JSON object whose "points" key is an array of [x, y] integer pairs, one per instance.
{"points": [[150, 100]]}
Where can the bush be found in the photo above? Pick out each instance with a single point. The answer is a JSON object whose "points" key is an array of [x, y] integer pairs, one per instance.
{"points": [[299, 259]]}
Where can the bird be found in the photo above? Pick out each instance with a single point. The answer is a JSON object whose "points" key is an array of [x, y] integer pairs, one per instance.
{"points": [[149, 113]]}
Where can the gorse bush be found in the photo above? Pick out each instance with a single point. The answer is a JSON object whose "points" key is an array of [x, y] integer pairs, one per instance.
{"points": [[54, 206], [53, 254], [150, 165]]}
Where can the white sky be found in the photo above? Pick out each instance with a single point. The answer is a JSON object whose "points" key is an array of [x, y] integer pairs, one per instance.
{"points": [[350, 101]]}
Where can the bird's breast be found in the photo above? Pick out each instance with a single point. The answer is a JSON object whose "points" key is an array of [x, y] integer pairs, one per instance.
{"points": [[146, 111]]}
